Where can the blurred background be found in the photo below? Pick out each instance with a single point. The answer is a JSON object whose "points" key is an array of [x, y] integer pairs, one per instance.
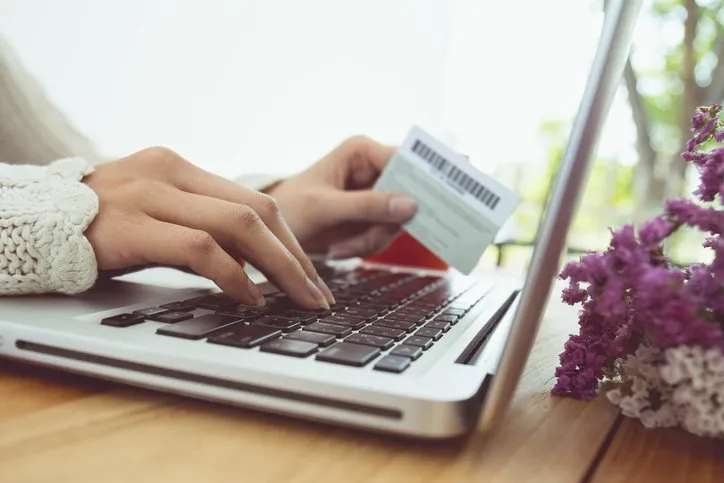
{"points": [[242, 86]]}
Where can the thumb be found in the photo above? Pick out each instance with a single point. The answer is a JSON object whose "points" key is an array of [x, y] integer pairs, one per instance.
{"points": [[371, 207]]}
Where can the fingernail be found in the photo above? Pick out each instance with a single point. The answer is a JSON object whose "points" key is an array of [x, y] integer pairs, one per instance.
{"points": [[402, 207], [325, 290], [254, 291], [317, 295]]}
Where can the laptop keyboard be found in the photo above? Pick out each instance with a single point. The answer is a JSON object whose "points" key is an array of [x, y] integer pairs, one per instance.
{"points": [[387, 318]]}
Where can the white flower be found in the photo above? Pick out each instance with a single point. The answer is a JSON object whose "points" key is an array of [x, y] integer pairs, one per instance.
{"points": [[680, 386]]}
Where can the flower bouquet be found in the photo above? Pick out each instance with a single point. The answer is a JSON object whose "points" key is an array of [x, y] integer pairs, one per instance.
{"points": [[656, 329]]}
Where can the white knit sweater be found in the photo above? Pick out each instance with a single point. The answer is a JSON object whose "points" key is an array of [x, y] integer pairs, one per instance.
{"points": [[44, 206]]}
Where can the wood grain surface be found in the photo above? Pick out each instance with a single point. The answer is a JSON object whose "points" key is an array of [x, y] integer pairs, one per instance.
{"points": [[56, 427]]}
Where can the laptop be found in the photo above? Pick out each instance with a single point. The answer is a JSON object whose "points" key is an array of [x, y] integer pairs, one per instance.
{"points": [[419, 353]]}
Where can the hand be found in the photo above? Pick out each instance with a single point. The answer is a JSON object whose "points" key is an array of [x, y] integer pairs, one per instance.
{"points": [[331, 209], [157, 208]]}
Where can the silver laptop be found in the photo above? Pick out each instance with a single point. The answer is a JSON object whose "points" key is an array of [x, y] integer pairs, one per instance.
{"points": [[418, 353]]}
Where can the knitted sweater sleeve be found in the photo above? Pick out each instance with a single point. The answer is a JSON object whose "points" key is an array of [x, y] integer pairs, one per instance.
{"points": [[44, 212]]}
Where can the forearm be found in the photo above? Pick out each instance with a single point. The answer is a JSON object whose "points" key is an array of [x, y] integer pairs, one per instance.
{"points": [[45, 212], [32, 129]]}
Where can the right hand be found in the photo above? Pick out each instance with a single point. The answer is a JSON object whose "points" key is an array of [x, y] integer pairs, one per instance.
{"points": [[157, 208]]}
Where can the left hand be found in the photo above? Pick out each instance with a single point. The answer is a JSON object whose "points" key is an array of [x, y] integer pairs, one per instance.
{"points": [[331, 208]]}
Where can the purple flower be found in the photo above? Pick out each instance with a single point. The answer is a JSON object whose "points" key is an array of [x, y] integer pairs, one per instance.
{"points": [[630, 292], [685, 212], [653, 232]]}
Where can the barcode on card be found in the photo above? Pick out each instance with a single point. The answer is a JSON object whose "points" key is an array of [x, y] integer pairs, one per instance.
{"points": [[455, 175]]}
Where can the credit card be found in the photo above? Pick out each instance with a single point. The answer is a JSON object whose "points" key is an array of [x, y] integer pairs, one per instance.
{"points": [[460, 208]]}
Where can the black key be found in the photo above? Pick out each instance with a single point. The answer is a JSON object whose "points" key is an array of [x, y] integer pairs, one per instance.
{"points": [[301, 317], [383, 343], [447, 318], [430, 332], [322, 328], [323, 340], [352, 322], [362, 313], [320, 314], [199, 327], [424, 342], [394, 364], [348, 354], [394, 324], [379, 309], [415, 319], [410, 311], [424, 305], [396, 334], [172, 317], [411, 315], [151, 311], [404, 350], [458, 312], [244, 336], [181, 306], [277, 323], [246, 310], [220, 304], [441, 324], [290, 347], [246, 314], [123, 320]]}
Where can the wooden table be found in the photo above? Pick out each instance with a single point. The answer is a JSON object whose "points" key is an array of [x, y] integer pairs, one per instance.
{"points": [[56, 427]]}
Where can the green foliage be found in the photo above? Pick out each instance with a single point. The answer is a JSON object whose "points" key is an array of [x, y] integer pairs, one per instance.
{"points": [[610, 199]]}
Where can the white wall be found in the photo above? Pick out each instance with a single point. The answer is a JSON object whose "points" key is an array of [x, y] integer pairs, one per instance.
{"points": [[239, 85]]}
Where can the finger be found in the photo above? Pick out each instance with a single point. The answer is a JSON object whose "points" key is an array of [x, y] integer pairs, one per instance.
{"points": [[367, 159], [241, 229], [368, 243], [369, 207], [174, 245], [197, 181]]}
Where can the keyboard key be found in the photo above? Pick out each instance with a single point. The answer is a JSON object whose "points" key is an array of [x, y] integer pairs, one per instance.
{"points": [[404, 350], [415, 319], [151, 311], [289, 347], [182, 306], [244, 336], [278, 323], [123, 320], [349, 354], [383, 343], [352, 322], [214, 304], [396, 334], [247, 314], [323, 340], [245, 310], [394, 324], [322, 328], [171, 317], [394, 364], [362, 313], [430, 332], [424, 342], [301, 317], [199, 327], [438, 324], [447, 318], [458, 312]]}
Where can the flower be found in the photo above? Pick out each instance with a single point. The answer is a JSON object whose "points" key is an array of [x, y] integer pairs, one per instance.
{"points": [[656, 326]]}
